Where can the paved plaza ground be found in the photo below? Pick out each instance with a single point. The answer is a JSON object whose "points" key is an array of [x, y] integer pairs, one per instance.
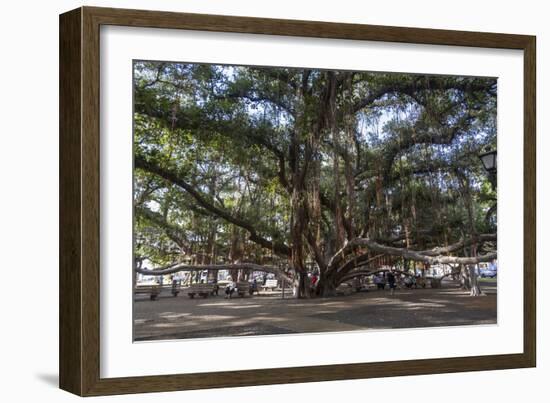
{"points": [[182, 318]]}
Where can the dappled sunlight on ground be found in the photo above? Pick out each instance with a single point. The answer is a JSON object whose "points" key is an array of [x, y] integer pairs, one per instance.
{"points": [[182, 317], [242, 306], [174, 315]]}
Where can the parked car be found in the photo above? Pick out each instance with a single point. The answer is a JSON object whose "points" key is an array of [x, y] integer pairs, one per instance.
{"points": [[491, 273]]}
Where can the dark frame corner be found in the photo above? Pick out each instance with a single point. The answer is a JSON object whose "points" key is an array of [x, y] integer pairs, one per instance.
{"points": [[79, 200]]}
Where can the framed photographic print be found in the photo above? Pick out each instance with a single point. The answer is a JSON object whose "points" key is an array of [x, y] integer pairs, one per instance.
{"points": [[249, 201]]}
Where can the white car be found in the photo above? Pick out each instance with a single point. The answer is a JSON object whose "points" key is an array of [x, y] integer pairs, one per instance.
{"points": [[491, 273]]}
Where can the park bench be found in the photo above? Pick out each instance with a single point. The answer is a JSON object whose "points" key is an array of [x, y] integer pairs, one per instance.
{"points": [[423, 282], [202, 290], [270, 284], [174, 289], [153, 290], [244, 287], [344, 289]]}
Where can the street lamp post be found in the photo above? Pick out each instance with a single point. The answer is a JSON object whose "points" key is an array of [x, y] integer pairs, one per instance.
{"points": [[489, 161]]}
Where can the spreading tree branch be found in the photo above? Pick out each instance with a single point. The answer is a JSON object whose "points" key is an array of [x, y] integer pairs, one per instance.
{"points": [[172, 177], [431, 256]]}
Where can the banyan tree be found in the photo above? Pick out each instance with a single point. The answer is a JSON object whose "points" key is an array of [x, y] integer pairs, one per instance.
{"points": [[259, 168]]}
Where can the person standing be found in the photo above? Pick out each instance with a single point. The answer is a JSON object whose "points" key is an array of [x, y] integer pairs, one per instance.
{"points": [[391, 282], [382, 281]]}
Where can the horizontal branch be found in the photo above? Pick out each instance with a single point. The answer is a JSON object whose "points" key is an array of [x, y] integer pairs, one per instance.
{"points": [[459, 245], [431, 256], [175, 268], [420, 256]]}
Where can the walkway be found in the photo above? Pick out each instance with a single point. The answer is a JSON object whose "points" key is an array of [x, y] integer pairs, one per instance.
{"points": [[181, 317]]}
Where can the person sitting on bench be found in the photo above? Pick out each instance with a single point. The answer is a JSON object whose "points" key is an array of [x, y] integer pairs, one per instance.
{"points": [[230, 288]]}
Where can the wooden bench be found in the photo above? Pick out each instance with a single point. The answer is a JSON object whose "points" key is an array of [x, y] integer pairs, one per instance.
{"points": [[423, 282], [244, 287], [202, 290], [174, 289], [344, 289], [270, 284], [152, 290]]}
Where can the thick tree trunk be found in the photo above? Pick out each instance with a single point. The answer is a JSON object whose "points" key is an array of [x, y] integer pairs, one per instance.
{"points": [[210, 257], [475, 290], [297, 247], [298, 218], [465, 277], [326, 286], [301, 286], [339, 229]]}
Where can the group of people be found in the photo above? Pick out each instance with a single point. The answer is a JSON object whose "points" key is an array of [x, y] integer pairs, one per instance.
{"points": [[231, 287], [381, 279]]}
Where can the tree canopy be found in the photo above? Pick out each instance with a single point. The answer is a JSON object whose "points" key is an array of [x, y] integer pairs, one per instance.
{"points": [[239, 165]]}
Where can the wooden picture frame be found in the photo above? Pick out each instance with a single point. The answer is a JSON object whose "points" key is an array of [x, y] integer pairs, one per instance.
{"points": [[79, 346]]}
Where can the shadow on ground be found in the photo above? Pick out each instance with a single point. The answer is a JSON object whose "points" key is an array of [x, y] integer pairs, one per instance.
{"points": [[184, 318]]}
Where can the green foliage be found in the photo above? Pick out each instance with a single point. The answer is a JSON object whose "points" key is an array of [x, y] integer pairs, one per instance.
{"points": [[408, 144]]}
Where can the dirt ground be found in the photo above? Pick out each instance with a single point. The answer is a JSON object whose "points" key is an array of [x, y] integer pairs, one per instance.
{"points": [[182, 318]]}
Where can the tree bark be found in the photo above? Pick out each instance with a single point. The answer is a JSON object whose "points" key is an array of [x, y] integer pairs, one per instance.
{"points": [[465, 277], [475, 289]]}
